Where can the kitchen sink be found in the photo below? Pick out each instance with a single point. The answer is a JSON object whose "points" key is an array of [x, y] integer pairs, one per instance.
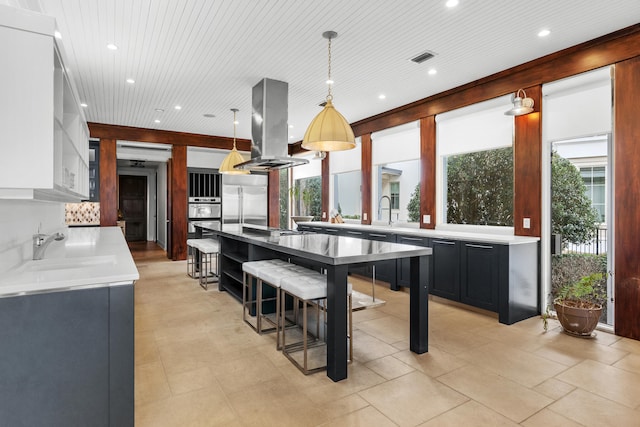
{"points": [[50, 264]]}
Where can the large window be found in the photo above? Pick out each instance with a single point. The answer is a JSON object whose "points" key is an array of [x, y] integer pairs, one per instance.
{"points": [[346, 179], [475, 170], [396, 173], [305, 190], [480, 187]]}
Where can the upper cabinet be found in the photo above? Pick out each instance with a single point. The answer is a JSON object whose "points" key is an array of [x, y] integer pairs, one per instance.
{"points": [[45, 148]]}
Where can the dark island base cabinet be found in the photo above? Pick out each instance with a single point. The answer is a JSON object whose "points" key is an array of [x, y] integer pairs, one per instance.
{"points": [[495, 277], [67, 358]]}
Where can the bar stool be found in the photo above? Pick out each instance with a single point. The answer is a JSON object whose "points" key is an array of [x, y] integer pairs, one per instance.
{"points": [[310, 290], [208, 250], [270, 273], [192, 255]]}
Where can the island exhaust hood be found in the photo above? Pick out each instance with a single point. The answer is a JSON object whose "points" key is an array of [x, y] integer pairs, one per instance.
{"points": [[270, 129]]}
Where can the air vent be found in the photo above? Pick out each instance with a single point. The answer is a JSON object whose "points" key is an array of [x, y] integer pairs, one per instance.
{"points": [[423, 57]]}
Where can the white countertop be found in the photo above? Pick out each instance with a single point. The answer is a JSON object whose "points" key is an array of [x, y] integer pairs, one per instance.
{"points": [[501, 239], [87, 257]]}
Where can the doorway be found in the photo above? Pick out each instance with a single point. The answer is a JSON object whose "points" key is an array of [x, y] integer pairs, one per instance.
{"points": [[132, 200]]}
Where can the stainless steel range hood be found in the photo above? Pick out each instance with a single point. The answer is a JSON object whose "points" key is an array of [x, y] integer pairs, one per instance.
{"points": [[269, 128]]}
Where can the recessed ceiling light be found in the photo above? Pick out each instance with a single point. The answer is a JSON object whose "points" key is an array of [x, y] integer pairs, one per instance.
{"points": [[157, 120], [452, 3], [159, 110], [209, 115], [291, 136], [382, 96], [177, 107], [83, 105], [290, 126], [57, 34], [544, 33], [433, 72], [131, 81], [112, 46]]}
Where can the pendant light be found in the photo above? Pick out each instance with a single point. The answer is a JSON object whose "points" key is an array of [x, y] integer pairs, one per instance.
{"points": [[234, 157], [520, 105], [329, 130]]}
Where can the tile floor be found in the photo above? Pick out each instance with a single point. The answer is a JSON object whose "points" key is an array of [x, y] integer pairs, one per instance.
{"points": [[198, 364]]}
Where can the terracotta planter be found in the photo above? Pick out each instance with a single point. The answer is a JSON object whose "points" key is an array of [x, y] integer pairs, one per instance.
{"points": [[577, 321]]}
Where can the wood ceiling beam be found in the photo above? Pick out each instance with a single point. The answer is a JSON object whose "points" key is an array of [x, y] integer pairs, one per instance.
{"points": [[128, 133]]}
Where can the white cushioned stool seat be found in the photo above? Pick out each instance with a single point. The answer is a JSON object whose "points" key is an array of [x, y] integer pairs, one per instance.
{"points": [[191, 257], [208, 252], [275, 275], [253, 267], [307, 287]]}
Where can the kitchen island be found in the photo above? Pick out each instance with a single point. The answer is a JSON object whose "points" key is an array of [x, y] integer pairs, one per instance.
{"points": [[67, 333], [334, 254]]}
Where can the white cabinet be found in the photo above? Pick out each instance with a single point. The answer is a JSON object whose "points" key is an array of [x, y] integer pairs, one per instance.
{"points": [[44, 137]]}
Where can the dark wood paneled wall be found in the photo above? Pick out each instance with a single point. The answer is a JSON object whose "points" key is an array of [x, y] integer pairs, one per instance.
{"points": [[325, 187], [365, 166], [108, 183], [527, 168], [179, 203], [428, 171], [273, 201], [627, 195], [128, 133]]}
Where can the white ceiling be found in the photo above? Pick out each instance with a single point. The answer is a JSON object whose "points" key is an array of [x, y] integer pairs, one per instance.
{"points": [[207, 55]]}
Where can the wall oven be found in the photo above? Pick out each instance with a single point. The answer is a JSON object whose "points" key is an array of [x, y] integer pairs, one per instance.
{"points": [[206, 209]]}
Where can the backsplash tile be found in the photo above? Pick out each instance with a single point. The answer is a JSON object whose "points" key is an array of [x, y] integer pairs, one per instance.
{"points": [[86, 213]]}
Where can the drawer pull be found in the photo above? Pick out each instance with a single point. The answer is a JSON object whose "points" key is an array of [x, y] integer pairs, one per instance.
{"points": [[444, 242], [378, 235], [469, 245], [357, 233], [413, 239]]}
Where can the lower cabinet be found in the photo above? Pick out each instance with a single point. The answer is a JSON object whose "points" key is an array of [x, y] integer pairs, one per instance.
{"points": [[67, 358], [479, 274], [445, 274], [402, 265], [385, 270]]}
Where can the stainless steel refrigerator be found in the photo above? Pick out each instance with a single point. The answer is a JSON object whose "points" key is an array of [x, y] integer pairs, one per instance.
{"points": [[244, 199]]}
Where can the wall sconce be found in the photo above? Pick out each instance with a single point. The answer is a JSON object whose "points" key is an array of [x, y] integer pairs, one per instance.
{"points": [[521, 105]]}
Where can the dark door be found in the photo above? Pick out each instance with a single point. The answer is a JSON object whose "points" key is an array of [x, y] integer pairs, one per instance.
{"points": [[480, 275], [133, 205]]}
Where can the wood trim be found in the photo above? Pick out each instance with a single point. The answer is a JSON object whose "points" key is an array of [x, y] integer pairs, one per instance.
{"points": [[325, 177], [179, 202], [428, 170], [179, 139], [273, 203], [108, 183], [169, 209], [527, 168], [627, 194], [365, 167]]}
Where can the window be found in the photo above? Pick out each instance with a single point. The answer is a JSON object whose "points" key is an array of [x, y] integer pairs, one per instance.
{"points": [[305, 190], [594, 179], [480, 187], [475, 169], [395, 195], [346, 181]]}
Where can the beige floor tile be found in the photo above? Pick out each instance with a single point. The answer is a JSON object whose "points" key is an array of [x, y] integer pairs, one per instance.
{"points": [[607, 381], [359, 378], [389, 367], [206, 407], [547, 418], [343, 406], [367, 416], [245, 372], [554, 389], [591, 410], [433, 363], [496, 392], [629, 363], [626, 344], [456, 340], [150, 383], [367, 347], [461, 415], [517, 365], [389, 329], [569, 350], [404, 399], [186, 381]]}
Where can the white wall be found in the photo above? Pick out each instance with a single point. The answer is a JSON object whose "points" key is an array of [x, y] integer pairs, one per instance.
{"points": [[208, 158], [19, 221]]}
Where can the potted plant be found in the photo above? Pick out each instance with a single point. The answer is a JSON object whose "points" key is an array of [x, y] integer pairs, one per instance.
{"points": [[306, 201], [579, 304]]}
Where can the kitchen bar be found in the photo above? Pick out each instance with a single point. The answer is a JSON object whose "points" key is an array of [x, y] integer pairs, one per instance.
{"points": [[335, 254]]}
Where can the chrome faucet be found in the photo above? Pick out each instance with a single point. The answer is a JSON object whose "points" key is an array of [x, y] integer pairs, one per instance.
{"points": [[41, 241], [380, 206]]}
